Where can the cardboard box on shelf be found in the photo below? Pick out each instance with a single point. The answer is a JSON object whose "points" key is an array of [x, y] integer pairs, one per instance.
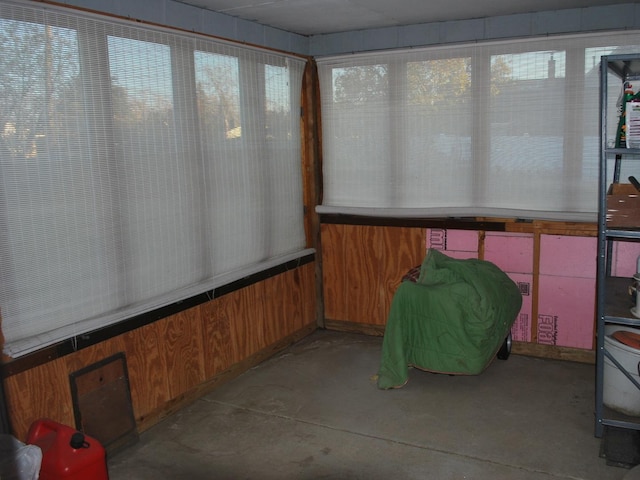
{"points": [[623, 205], [632, 120]]}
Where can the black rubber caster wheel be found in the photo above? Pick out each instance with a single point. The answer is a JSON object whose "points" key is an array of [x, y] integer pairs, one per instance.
{"points": [[505, 349]]}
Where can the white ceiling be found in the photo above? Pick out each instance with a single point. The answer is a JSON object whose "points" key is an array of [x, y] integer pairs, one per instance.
{"points": [[314, 17]]}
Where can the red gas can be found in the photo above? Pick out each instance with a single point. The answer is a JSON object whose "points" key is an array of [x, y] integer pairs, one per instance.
{"points": [[66, 453]]}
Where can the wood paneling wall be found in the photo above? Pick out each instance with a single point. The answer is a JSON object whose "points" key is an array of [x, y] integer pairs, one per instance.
{"points": [[361, 268], [175, 360]]}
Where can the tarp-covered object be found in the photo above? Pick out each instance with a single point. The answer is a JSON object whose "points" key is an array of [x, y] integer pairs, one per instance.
{"points": [[453, 319]]}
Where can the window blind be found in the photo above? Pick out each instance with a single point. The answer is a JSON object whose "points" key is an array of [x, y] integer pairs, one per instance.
{"points": [[505, 128], [138, 167]]}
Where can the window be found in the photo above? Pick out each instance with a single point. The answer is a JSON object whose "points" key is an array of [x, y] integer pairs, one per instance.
{"points": [[138, 167], [504, 129]]}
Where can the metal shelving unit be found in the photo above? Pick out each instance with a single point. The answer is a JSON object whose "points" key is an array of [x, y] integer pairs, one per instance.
{"points": [[613, 301]]}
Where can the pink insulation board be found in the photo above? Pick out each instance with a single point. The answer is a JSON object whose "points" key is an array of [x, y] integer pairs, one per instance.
{"points": [[624, 260], [566, 311], [455, 243], [521, 330], [512, 252], [567, 291], [568, 256]]}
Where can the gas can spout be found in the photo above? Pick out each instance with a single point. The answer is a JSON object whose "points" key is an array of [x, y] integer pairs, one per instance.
{"points": [[77, 441]]}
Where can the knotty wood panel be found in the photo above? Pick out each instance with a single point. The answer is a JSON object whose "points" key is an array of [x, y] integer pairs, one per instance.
{"points": [[147, 366], [218, 348], [40, 392], [172, 361], [289, 302], [334, 264], [306, 277], [44, 391], [404, 248], [247, 324], [311, 159], [364, 255], [182, 348], [362, 267], [270, 310], [279, 306], [94, 353]]}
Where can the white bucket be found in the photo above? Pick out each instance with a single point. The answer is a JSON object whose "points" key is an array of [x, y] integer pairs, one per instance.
{"points": [[618, 391]]}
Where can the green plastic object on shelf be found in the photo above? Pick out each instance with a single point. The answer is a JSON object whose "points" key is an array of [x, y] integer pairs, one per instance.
{"points": [[628, 96]]}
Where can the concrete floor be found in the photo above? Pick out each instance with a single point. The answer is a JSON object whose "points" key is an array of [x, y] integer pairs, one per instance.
{"points": [[314, 412]]}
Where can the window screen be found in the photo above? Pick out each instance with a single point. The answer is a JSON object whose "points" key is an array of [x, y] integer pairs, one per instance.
{"points": [[503, 128], [138, 167]]}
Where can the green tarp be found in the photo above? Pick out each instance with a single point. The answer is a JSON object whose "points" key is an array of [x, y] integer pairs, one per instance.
{"points": [[454, 319]]}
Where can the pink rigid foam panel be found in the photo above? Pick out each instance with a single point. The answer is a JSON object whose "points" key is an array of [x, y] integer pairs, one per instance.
{"points": [[624, 261], [512, 252], [521, 330], [568, 256], [455, 243], [566, 311]]}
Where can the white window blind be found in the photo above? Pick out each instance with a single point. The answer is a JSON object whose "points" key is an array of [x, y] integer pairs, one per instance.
{"points": [[498, 129], [138, 167]]}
